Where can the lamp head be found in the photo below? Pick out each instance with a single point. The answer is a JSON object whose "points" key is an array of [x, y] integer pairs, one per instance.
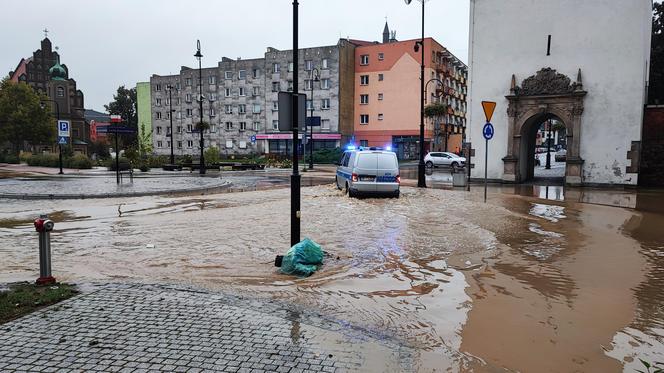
{"points": [[198, 49], [408, 2]]}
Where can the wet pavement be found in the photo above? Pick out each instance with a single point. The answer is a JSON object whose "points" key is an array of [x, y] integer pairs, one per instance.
{"points": [[536, 280]]}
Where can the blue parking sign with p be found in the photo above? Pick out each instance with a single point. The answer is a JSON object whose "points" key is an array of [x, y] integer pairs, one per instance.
{"points": [[63, 128]]}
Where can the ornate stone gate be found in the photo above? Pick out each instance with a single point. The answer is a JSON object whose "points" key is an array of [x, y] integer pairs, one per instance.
{"points": [[545, 95]]}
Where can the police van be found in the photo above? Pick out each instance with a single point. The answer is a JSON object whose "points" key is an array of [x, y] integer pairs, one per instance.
{"points": [[368, 171]]}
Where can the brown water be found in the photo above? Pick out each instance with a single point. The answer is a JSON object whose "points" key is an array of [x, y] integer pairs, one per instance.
{"points": [[519, 284]]}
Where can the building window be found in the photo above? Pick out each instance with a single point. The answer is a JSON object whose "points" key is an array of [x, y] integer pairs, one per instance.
{"points": [[364, 79], [380, 116], [229, 144], [290, 67], [324, 63], [275, 105], [178, 102], [190, 144], [257, 91], [257, 126], [227, 92], [168, 115], [187, 98], [242, 144], [308, 84], [187, 82], [243, 126], [158, 102], [380, 77], [308, 65], [179, 129], [228, 109], [364, 119], [325, 83], [168, 102], [158, 114], [190, 128], [275, 125], [290, 86], [213, 128], [310, 105], [60, 92], [190, 113], [168, 144], [257, 109], [364, 99], [275, 86], [381, 56], [325, 104], [158, 129], [325, 124], [212, 112], [256, 73], [364, 143], [157, 87], [364, 59], [242, 74], [228, 75], [229, 126], [212, 79], [276, 68], [380, 97], [179, 116], [242, 91], [242, 109], [179, 144], [160, 144]]}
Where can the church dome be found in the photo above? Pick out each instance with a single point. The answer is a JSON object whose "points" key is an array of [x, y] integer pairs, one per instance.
{"points": [[57, 71]]}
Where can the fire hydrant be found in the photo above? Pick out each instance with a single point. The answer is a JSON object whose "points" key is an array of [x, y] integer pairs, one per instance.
{"points": [[44, 226]]}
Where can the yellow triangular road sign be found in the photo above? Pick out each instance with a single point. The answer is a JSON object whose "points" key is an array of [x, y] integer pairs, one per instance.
{"points": [[489, 108]]}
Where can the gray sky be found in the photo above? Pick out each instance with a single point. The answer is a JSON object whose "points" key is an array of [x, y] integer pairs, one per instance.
{"points": [[110, 43]]}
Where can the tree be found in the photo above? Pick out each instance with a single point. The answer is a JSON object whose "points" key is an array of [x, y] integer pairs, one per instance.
{"points": [[656, 89], [436, 112], [124, 104], [23, 116]]}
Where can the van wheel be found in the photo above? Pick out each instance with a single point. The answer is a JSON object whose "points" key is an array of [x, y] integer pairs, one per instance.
{"points": [[336, 181], [349, 191], [346, 189], [429, 164], [396, 194]]}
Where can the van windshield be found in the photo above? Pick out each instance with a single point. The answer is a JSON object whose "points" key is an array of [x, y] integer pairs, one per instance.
{"points": [[367, 160], [387, 162]]}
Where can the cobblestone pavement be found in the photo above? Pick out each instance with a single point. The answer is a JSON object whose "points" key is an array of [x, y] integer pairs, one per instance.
{"points": [[144, 328]]}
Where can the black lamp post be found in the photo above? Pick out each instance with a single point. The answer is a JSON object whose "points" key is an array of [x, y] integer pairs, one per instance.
{"points": [[548, 148], [295, 177], [315, 77], [199, 56], [421, 181], [57, 114], [170, 116]]}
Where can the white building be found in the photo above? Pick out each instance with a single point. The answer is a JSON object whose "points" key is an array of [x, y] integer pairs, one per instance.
{"points": [[582, 62]]}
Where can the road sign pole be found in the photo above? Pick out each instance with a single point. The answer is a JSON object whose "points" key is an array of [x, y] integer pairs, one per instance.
{"points": [[486, 166], [117, 160]]}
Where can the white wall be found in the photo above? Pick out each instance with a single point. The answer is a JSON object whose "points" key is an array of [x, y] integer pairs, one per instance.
{"points": [[609, 40]]}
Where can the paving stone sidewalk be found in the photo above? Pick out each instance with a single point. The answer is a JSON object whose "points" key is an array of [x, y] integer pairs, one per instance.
{"points": [[146, 328]]}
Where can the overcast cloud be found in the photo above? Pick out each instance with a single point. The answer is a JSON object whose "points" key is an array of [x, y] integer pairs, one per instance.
{"points": [[110, 43]]}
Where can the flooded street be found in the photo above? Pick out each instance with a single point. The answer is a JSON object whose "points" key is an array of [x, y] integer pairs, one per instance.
{"points": [[526, 283]]}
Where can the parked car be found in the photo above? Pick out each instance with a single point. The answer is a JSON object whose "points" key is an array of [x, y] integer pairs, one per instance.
{"points": [[368, 171], [561, 155], [436, 159]]}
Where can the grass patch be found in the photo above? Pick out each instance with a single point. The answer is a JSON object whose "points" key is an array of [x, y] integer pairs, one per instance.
{"points": [[22, 298]]}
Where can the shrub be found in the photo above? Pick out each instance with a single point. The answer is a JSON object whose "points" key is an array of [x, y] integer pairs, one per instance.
{"points": [[212, 155], [78, 161], [124, 164], [44, 160], [24, 156], [156, 161], [327, 155], [144, 167], [184, 159], [10, 158]]}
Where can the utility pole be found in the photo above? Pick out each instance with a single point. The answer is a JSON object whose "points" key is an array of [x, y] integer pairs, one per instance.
{"points": [[295, 177], [199, 56]]}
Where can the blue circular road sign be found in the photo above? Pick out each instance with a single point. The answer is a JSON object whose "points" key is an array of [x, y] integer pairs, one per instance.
{"points": [[488, 131]]}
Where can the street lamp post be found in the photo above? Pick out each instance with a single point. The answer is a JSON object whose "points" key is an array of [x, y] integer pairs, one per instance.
{"points": [[295, 177], [315, 77], [421, 181], [57, 111], [199, 56], [548, 148], [170, 116]]}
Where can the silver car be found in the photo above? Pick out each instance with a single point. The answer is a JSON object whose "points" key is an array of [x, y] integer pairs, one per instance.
{"points": [[368, 171], [436, 159]]}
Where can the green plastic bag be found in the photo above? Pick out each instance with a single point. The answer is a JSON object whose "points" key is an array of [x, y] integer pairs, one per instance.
{"points": [[302, 259]]}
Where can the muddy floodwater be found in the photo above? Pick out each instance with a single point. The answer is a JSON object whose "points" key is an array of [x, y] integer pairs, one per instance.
{"points": [[520, 284]]}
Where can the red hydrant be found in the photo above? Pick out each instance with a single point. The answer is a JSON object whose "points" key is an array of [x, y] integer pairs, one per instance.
{"points": [[44, 226]]}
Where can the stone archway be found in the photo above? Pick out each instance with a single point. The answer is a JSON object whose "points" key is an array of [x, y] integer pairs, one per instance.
{"points": [[545, 94]]}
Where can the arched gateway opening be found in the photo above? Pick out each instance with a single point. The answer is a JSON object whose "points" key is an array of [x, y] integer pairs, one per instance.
{"points": [[544, 96], [542, 134]]}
